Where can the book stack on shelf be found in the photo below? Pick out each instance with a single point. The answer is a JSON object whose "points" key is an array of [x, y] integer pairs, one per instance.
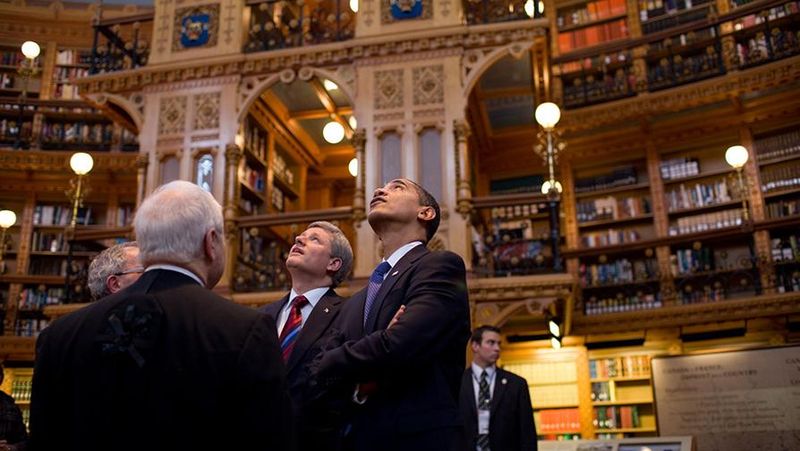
{"points": [[71, 64], [621, 285], [703, 274], [19, 381], [778, 157], [659, 15], [622, 396], [786, 256]]}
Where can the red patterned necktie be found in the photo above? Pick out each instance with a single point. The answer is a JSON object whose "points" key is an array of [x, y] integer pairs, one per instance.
{"points": [[292, 327]]}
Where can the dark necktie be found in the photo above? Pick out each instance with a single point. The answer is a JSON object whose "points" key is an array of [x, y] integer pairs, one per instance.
{"points": [[483, 404], [292, 327], [375, 281]]}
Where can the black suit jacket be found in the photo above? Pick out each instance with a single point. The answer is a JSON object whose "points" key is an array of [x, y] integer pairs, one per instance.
{"points": [[165, 364], [318, 420], [511, 425], [417, 364]]}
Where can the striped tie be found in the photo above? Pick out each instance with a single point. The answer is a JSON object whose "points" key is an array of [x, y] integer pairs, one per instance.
{"points": [[375, 281], [292, 327], [483, 404]]}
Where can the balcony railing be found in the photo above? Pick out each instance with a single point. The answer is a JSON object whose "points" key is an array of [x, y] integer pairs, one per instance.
{"points": [[120, 43], [690, 51], [480, 12], [276, 24]]}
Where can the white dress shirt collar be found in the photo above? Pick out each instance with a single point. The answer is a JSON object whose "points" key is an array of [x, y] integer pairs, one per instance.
{"points": [[183, 271]]}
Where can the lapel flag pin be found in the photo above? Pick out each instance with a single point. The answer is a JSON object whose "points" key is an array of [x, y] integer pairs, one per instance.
{"points": [[395, 273], [504, 381], [326, 310]]}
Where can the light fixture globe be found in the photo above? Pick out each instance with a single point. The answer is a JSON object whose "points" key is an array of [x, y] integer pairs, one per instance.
{"points": [[333, 132], [353, 167], [329, 85], [30, 49], [736, 156], [547, 115], [353, 122], [7, 219], [81, 163], [547, 186], [529, 8], [354, 6]]}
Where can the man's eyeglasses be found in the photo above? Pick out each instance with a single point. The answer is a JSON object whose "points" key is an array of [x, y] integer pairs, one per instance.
{"points": [[136, 270]]}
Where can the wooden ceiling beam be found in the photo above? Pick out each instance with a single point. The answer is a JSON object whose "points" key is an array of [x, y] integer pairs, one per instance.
{"points": [[320, 113], [330, 106]]}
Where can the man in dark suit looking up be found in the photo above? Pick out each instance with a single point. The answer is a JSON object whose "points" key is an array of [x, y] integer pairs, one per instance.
{"points": [[319, 261], [409, 373], [164, 364], [495, 403]]}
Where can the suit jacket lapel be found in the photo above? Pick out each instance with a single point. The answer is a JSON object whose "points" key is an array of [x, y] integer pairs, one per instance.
{"points": [[499, 390], [316, 324], [395, 273]]}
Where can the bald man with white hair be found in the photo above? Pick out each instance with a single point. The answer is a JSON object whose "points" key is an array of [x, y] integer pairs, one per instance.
{"points": [[165, 364]]}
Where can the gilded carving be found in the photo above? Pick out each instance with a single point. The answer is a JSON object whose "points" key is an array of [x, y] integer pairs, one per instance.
{"points": [[428, 83], [388, 89], [172, 115], [206, 110]]}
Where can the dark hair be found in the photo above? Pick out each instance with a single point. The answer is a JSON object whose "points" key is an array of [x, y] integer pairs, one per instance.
{"points": [[477, 334], [426, 199]]}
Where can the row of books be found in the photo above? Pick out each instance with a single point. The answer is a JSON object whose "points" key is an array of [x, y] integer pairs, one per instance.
{"points": [[773, 13], [255, 139], [598, 63], [589, 12], [666, 21], [60, 215], [71, 56], [558, 420], [597, 305], [778, 146], [783, 208], [785, 249], [36, 298], [616, 417], [77, 132], [612, 208], [66, 92], [708, 293], [678, 168], [7, 81], [544, 372], [68, 74], [48, 267], [30, 328], [592, 35], [281, 169], [619, 271], [609, 237], [780, 177], [622, 176], [623, 366], [517, 211], [649, 9], [48, 242], [511, 230], [689, 261], [21, 389], [698, 195], [278, 198], [11, 58], [9, 129], [254, 178], [601, 391], [708, 221]]}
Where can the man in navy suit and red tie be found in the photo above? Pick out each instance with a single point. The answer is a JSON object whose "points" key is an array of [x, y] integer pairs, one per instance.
{"points": [[319, 261], [495, 403], [409, 374]]}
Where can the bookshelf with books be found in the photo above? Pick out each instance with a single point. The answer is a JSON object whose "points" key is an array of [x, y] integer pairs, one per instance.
{"points": [[586, 24], [778, 156], [559, 388], [70, 64], [626, 282], [596, 79], [621, 393], [767, 35], [660, 15]]}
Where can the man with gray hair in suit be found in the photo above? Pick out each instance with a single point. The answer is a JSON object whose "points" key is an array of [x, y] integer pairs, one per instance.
{"points": [[114, 269], [166, 363]]}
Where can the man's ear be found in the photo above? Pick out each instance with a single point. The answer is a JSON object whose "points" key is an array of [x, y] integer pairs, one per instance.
{"points": [[426, 213], [334, 264], [474, 346], [112, 283], [210, 242]]}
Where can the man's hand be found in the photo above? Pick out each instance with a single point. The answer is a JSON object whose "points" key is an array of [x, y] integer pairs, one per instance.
{"points": [[397, 316]]}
